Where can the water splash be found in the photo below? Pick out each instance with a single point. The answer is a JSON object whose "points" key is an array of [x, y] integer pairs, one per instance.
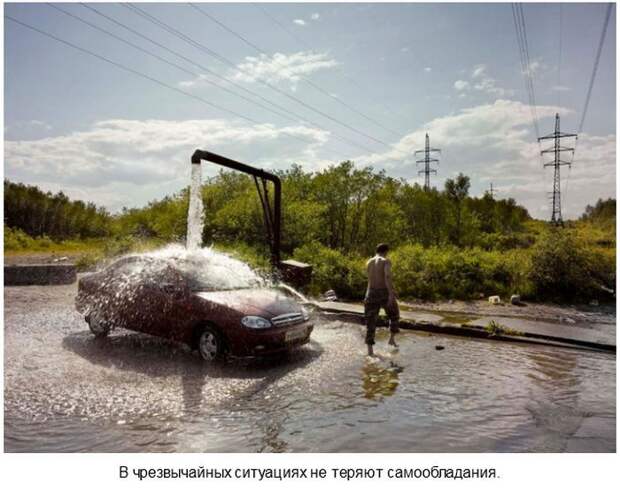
{"points": [[210, 268], [195, 221]]}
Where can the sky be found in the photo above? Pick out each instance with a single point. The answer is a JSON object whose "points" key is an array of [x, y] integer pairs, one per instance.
{"points": [[307, 83]]}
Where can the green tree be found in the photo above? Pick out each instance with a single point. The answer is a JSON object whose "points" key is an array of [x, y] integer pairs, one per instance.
{"points": [[457, 190]]}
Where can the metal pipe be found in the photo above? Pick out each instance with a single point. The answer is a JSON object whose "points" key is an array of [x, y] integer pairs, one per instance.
{"points": [[200, 155]]}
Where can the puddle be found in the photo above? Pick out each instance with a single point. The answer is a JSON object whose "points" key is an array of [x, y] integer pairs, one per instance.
{"points": [[68, 392]]}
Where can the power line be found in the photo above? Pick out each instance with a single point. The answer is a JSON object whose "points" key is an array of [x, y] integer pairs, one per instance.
{"points": [[207, 70], [230, 63], [595, 67], [303, 43], [179, 67], [308, 81], [560, 57], [526, 70], [216, 75], [590, 85], [139, 74]]}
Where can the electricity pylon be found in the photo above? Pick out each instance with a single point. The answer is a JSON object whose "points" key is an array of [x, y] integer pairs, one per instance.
{"points": [[427, 161], [557, 149]]}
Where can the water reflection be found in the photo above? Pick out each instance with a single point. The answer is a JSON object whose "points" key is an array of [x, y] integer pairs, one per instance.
{"points": [[380, 377]]}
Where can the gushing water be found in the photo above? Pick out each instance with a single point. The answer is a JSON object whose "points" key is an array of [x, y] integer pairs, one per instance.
{"points": [[195, 221], [207, 268]]}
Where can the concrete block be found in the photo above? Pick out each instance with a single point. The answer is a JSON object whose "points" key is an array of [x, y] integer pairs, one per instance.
{"points": [[39, 274]]}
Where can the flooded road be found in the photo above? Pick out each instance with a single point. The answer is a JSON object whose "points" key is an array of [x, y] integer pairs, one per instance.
{"points": [[67, 392]]}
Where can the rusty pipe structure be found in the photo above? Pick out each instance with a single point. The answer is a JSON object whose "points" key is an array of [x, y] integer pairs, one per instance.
{"points": [[272, 220]]}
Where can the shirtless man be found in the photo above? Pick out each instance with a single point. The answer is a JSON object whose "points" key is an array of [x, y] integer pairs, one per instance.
{"points": [[380, 293]]}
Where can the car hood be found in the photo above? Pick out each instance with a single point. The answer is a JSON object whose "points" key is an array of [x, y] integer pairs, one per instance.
{"points": [[256, 301]]}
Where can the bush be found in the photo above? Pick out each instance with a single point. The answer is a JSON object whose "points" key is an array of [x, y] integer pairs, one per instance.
{"points": [[88, 261], [564, 269], [16, 240], [332, 270], [448, 272]]}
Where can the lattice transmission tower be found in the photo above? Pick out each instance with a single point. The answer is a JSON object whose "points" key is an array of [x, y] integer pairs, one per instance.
{"points": [[427, 161], [557, 149]]}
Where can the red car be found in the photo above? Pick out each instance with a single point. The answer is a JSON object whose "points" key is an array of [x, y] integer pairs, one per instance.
{"points": [[177, 300]]}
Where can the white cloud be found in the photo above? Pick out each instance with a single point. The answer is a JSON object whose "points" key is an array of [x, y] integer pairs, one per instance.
{"points": [[33, 125], [299, 22], [196, 82], [535, 67], [560, 88], [461, 85], [404, 49], [315, 16], [478, 71], [481, 82], [282, 67], [128, 162], [428, 69], [495, 142], [489, 86]]}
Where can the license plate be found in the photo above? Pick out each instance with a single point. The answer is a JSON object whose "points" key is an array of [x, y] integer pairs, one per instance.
{"points": [[295, 334]]}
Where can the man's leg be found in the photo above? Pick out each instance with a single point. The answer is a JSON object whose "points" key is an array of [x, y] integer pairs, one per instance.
{"points": [[393, 313], [371, 312]]}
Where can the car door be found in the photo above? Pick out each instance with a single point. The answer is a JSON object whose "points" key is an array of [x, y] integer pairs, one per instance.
{"points": [[126, 292], [163, 303]]}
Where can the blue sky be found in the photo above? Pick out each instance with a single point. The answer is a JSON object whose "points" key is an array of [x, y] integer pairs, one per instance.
{"points": [[99, 133]]}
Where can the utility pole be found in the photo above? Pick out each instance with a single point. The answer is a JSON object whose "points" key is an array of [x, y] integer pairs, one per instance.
{"points": [[427, 161], [557, 149], [492, 192]]}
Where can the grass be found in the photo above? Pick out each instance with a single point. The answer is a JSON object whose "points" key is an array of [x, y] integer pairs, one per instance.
{"points": [[86, 253], [494, 328]]}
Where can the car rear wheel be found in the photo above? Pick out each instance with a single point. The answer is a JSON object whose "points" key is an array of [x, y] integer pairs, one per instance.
{"points": [[97, 324], [210, 344]]}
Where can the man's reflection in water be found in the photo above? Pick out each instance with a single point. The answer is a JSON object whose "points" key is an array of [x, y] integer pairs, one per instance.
{"points": [[380, 379]]}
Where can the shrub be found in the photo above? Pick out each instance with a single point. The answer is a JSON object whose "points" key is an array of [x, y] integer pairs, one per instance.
{"points": [[332, 270], [450, 272], [564, 269], [88, 261], [16, 240]]}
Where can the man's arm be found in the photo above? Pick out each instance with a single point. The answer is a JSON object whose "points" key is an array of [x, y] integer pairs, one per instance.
{"points": [[387, 271]]}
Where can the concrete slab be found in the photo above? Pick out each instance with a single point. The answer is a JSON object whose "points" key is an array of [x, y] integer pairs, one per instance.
{"points": [[355, 308], [39, 274], [560, 332], [561, 335]]}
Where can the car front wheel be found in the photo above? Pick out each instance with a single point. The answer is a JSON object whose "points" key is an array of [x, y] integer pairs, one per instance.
{"points": [[97, 324], [210, 345]]}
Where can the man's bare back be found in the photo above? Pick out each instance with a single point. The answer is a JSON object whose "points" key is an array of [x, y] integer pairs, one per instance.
{"points": [[376, 271]]}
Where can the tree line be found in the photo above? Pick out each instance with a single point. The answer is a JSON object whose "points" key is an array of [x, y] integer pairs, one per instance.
{"points": [[446, 243], [342, 207], [43, 214]]}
